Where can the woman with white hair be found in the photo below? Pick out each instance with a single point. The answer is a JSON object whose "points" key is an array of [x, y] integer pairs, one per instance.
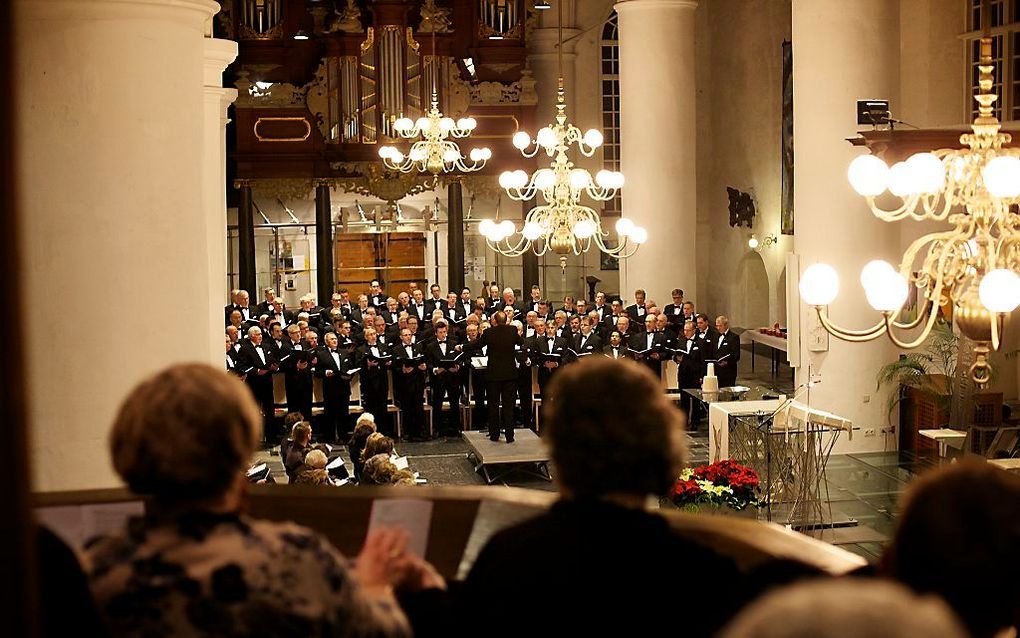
{"points": [[314, 470], [195, 564]]}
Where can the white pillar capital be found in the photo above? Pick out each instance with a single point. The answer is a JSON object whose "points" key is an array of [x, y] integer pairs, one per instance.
{"points": [[627, 6], [219, 54]]}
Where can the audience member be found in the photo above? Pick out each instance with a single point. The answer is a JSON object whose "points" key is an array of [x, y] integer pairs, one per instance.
{"points": [[362, 429], [958, 536], [301, 439], [313, 472], [377, 443], [195, 564], [845, 608], [609, 460], [379, 470]]}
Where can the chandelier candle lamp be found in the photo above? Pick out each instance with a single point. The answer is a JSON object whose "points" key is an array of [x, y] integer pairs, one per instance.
{"points": [[561, 223], [436, 152], [971, 267]]}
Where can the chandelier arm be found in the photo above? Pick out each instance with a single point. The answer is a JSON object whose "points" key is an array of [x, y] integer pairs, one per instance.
{"points": [[909, 345], [921, 317], [849, 335], [996, 318]]}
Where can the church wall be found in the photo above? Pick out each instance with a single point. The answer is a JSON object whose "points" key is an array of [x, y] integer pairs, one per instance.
{"points": [[739, 110]]}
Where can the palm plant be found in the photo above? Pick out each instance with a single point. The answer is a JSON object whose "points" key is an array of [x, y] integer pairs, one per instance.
{"points": [[930, 369]]}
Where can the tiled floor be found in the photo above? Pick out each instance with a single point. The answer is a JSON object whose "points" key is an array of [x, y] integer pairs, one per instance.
{"points": [[865, 487]]}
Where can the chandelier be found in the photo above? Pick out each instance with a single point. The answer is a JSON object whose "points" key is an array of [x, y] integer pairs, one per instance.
{"points": [[971, 268], [436, 152], [561, 223]]}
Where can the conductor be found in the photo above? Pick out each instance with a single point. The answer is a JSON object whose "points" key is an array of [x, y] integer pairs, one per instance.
{"points": [[501, 372]]}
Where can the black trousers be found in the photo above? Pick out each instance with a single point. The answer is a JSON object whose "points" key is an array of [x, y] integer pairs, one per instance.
{"points": [[299, 395], [446, 385], [409, 393], [336, 412], [524, 394], [262, 389], [500, 396]]}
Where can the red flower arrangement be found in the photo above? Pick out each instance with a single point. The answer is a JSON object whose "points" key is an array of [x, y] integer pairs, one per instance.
{"points": [[723, 483]]}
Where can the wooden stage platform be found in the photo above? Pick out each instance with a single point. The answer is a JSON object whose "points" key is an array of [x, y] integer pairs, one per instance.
{"points": [[496, 459]]}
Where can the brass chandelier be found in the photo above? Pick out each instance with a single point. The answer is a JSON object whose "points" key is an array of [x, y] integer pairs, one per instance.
{"points": [[561, 223], [970, 268], [436, 152]]}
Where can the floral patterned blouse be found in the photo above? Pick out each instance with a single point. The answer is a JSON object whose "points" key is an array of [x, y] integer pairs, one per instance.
{"points": [[206, 574]]}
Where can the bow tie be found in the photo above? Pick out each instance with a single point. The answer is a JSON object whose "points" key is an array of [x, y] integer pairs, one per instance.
{"points": [[332, 350], [443, 342]]}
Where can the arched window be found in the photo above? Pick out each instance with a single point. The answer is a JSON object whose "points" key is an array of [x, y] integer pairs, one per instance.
{"points": [[1004, 23], [610, 53]]}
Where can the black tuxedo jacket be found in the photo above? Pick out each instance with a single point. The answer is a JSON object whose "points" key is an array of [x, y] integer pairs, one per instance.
{"points": [[390, 317], [432, 304], [639, 341], [728, 345], [624, 351], [592, 344], [637, 316], [458, 314], [500, 342], [422, 312], [379, 301], [266, 308], [248, 357], [708, 342], [691, 366], [434, 354]]}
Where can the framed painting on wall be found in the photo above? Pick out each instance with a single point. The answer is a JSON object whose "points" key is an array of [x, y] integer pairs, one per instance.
{"points": [[786, 213]]}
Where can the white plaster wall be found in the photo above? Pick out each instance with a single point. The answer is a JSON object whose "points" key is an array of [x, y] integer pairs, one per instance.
{"points": [[739, 110]]}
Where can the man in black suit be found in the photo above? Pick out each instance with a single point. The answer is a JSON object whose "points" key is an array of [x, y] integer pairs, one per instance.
{"points": [[232, 358], [374, 360], [617, 347], [611, 318], [335, 303], [499, 343], [466, 301], [727, 353], [690, 370], [265, 307], [536, 298], [258, 363], [435, 301], [600, 305], [675, 311], [391, 313], [297, 373], [409, 385], [494, 301], [278, 313], [419, 309], [650, 339], [587, 341], [454, 313], [358, 313], [474, 381], [707, 334], [524, 378], [624, 328], [232, 306], [332, 365], [637, 311], [377, 298], [545, 342], [445, 379]]}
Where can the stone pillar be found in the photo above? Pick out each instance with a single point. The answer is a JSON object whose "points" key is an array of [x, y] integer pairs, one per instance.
{"points": [[246, 238], [455, 235], [323, 242], [110, 132], [839, 56], [218, 54], [658, 132]]}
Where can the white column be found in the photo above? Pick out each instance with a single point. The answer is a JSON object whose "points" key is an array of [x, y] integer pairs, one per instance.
{"points": [[657, 143], [218, 54], [841, 52], [115, 252]]}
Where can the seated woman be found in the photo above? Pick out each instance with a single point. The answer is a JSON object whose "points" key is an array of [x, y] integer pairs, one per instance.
{"points": [[195, 564], [379, 470], [362, 429], [598, 555], [377, 443], [314, 472]]}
